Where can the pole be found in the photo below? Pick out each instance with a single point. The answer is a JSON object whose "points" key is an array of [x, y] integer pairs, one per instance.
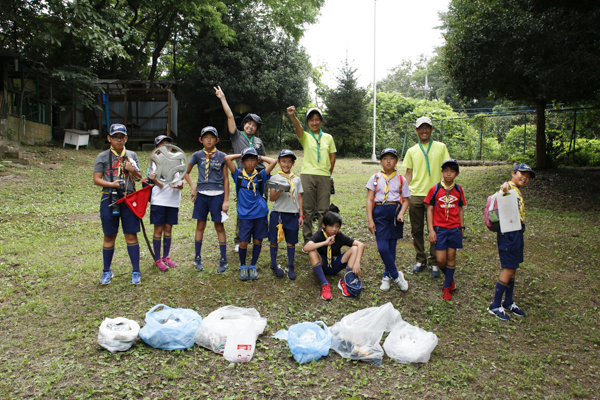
{"points": [[373, 156], [525, 135]]}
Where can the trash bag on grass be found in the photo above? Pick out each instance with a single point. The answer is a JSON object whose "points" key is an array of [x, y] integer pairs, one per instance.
{"points": [[170, 328], [118, 334], [308, 341], [409, 344]]}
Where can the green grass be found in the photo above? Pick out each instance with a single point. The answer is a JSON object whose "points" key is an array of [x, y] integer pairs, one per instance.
{"points": [[51, 303]]}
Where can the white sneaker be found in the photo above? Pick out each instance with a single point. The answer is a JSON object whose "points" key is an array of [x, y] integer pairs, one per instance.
{"points": [[401, 282], [236, 249], [385, 284]]}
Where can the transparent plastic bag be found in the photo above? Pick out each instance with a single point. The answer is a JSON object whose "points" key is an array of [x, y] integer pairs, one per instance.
{"points": [[409, 344], [118, 334], [170, 328], [309, 341]]}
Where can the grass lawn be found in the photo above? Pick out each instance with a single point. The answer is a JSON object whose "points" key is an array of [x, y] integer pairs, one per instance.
{"points": [[51, 302]]}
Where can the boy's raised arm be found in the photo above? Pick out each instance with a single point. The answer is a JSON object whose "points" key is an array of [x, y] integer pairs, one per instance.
{"points": [[271, 164], [229, 161], [230, 119], [295, 121]]}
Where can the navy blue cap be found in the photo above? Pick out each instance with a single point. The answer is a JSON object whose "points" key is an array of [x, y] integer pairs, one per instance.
{"points": [[117, 128], [450, 161], [253, 117], [209, 129], [249, 151], [287, 152], [388, 150], [160, 138], [524, 168]]}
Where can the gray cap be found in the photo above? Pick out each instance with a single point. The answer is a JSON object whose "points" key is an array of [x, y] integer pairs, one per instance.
{"points": [[423, 120]]}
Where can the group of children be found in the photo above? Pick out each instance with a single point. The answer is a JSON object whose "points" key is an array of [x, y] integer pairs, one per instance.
{"points": [[388, 197]]}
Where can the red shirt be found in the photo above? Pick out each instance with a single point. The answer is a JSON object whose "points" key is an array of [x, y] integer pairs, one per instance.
{"points": [[456, 199]]}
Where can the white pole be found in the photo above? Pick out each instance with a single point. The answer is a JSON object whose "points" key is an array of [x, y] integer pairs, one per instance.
{"points": [[373, 156]]}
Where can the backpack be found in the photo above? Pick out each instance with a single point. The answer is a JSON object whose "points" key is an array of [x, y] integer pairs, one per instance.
{"points": [[400, 182], [490, 213], [259, 180], [353, 283], [438, 186]]}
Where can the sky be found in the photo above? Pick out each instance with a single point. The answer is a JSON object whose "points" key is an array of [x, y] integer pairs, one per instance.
{"points": [[405, 29]]}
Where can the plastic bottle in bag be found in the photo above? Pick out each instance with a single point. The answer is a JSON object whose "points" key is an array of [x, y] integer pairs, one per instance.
{"points": [[241, 342]]}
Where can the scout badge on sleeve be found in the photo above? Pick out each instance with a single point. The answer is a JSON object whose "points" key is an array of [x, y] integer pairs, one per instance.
{"points": [[171, 163]]}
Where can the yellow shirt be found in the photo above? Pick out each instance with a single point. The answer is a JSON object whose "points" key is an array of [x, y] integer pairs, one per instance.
{"points": [[415, 159], [310, 164]]}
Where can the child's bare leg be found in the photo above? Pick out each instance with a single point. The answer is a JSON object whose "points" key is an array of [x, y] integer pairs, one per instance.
{"points": [[349, 258], [441, 256]]}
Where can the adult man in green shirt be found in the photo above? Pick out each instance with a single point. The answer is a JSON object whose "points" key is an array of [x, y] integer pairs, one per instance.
{"points": [[423, 164]]}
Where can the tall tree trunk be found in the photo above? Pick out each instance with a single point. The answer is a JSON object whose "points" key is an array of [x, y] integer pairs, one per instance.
{"points": [[540, 136]]}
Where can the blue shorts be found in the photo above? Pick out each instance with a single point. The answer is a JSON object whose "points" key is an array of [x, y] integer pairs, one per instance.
{"points": [[253, 228], [387, 226], [205, 204], [290, 226], [161, 215], [448, 238], [336, 265], [130, 223], [510, 249]]}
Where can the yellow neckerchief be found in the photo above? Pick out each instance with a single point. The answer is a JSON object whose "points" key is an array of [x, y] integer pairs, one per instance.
{"points": [[118, 156], [386, 189], [520, 200], [290, 178], [329, 257], [209, 154], [250, 179], [447, 198]]}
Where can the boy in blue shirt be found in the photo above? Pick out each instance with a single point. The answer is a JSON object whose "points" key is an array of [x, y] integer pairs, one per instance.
{"points": [[510, 249], [210, 195], [252, 208]]}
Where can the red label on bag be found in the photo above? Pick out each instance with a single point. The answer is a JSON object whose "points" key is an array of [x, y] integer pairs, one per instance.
{"points": [[244, 347]]}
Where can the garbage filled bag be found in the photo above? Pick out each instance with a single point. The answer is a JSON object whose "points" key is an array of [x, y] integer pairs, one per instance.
{"points": [[118, 334], [309, 341], [241, 341], [170, 328], [357, 335], [409, 344], [215, 327]]}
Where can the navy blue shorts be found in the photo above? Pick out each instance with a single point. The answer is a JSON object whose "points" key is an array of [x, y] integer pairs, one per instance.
{"points": [[161, 215], [387, 226], [510, 249], [205, 204], [336, 265], [253, 228], [448, 238], [290, 226], [130, 223]]}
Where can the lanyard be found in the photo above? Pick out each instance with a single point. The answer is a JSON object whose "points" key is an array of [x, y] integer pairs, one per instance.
{"points": [[250, 141], [426, 153], [318, 140]]}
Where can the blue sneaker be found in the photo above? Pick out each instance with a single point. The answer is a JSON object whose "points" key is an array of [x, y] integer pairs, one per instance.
{"points": [[277, 270], [499, 312], [291, 273], [243, 273], [222, 266], [515, 309], [252, 273], [198, 264], [136, 278], [106, 277], [418, 267], [434, 271]]}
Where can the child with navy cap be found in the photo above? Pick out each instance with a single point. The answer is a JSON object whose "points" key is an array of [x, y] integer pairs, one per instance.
{"points": [[286, 212], [446, 222], [252, 208], [164, 211], [210, 194], [510, 249], [387, 201], [115, 170]]}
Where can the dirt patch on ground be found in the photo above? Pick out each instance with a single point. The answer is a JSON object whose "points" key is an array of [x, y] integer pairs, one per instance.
{"points": [[51, 166], [88, 217]]}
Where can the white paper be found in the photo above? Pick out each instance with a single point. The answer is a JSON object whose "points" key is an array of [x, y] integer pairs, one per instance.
{"points": [[508, 212], [224, 216]]}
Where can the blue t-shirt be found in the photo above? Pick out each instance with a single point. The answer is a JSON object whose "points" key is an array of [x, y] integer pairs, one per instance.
{"points": [[251, 205], [215, 170]]}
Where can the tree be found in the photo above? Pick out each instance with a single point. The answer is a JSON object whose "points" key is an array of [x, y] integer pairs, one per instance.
{"points": [[525, 50], [347, 118]]}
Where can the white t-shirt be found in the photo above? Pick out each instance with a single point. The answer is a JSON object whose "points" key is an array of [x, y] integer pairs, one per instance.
{"points": [[166, 196]]}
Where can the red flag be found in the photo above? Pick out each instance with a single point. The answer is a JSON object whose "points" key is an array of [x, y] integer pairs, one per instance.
{"points": [[137, 201]]}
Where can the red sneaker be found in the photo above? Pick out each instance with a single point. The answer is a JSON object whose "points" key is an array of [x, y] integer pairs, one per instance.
{"points": [[161, 265], [447, 294], [326, 292], [452, 287], [342, 286]]}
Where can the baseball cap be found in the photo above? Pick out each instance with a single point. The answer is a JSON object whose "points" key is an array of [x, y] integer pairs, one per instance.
{"points": [[524, 168], [450, 161], [253, 117], [249, 151], [388, 150], [209, 129], [287, 152], [160, 138], [314, 110], [117, 128], [423, 120]]}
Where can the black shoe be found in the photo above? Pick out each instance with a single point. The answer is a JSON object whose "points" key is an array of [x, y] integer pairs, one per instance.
{"points": [[291, 273], [277, 270]]}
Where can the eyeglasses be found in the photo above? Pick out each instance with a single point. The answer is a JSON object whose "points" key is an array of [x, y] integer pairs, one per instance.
{"points": [[118, 137]]}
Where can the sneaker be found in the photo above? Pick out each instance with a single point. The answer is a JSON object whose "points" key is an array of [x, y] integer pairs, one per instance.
{"points": [[515, 309], [452, 287], [161, 265], [277, 270], [418, 267], [222, 266], [326, 292], [291, 273], [198, 264], [342, 287], [252, 273], [434, 271], [499, 312], [401, 282], [106, 277], [136, 278], [170, 263], [243, 273], [236, 249], [447, 295], [385, 284]]}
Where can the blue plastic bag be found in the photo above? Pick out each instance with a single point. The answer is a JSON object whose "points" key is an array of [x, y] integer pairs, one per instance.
{"points": [[308, 341], [170, 328]]}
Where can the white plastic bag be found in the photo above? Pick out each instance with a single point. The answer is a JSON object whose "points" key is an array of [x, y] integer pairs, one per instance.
{"points": [[118, 334], [409, 344], [241, 341], [357, 335], [215, 327]]}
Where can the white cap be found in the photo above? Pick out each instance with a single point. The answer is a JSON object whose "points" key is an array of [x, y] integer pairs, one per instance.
{"points": [[315, 110], [423, 120]]}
